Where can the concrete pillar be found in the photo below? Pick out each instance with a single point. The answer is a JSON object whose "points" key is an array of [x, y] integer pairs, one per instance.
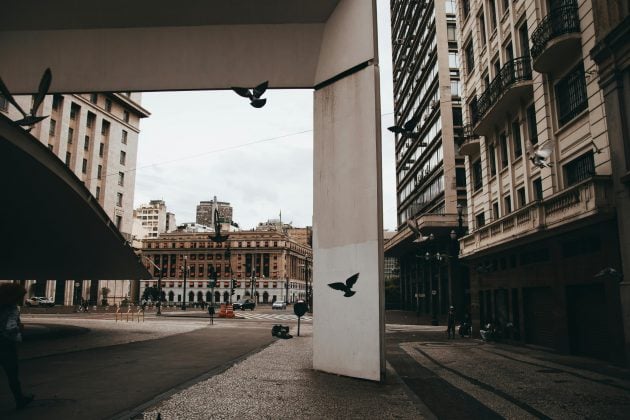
{"points": [[348, 332]]}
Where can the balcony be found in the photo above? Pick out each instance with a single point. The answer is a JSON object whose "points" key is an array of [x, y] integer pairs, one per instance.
{"points": [[557, 39], [590, 198], [504, 94], [470, 143]]}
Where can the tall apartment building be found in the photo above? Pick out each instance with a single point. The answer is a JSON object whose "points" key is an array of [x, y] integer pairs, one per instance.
{"points": [[279, 264], [96, 135], [543, 234], [205, 213], [150, 220], [430, 174]]}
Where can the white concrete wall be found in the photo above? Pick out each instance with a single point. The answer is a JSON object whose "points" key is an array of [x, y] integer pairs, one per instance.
{"points": [[347, 227]]}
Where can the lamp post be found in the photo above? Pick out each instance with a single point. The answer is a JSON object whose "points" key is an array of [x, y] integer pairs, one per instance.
{"points": [[76, 292], [185, 268]]}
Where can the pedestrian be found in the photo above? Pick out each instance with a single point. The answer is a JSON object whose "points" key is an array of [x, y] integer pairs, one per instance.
{"points": [[10, 334], [450, 329]]}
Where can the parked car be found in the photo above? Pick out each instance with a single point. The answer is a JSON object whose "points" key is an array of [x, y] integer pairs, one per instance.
{"points": [[279, 304], [244, 304], [40, 301]]}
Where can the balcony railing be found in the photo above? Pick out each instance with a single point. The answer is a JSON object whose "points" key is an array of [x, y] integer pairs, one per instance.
{"points": [[560, 21], [469, 144], [514, 71], [589, 198]]}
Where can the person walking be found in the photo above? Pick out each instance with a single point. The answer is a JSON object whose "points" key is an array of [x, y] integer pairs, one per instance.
{"points": [[10, 334], [450, 329]]}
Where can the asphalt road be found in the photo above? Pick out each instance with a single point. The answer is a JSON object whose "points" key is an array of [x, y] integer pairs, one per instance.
{"points": [[74, 373]]}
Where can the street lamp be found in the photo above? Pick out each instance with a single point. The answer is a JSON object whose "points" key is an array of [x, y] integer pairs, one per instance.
{"points": [[185, 268], [76, 293]]}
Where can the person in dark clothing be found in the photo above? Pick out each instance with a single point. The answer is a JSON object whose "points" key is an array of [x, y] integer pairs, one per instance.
{"points": [[450, 329], [10, 334]]}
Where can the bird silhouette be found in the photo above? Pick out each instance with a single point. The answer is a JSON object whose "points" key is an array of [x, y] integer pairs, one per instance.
{"points": [[254, 95], [413, 226], [29, 120], [347, 287], [540, 157], [407, 128]]}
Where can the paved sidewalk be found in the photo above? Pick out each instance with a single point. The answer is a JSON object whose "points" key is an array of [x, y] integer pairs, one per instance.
{"points": [[279, 382]]}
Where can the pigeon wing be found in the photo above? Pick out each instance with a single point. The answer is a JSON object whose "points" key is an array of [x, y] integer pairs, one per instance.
{"points": [[352, 280], [44, 85], [395, 129], [414, 228], [30, 120], [260, 89], [411, 124], [338, 286], [5, 92], [545, 151], [258, 103], [244, 92]]}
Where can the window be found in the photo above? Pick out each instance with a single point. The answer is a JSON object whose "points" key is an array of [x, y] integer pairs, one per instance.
{"points": [[516, 139], [507, 204], [505, 6], [105, 128], [124, 137], [451, 32], [108, 105], [118, 222], [469, 57], [460, 177], [70, 135], [481, 21], [450, 6], [68, 158], [86, 143], [571, 98], [537, 187], [476, 172], [524, 40], [480, 220], [457, 116], [53, 127], [99, 171], [492, 159], [455, 88], [531, 125], [119, 199], [496, 65], [74, 111], [504, 150], [90, 119], [493, 15], [84, 166], [94, 97], [453, 59], [522, 200], [98, 193], [509, 52], [126, 116], [495, 210], [56, 102], [123, 157], [121, 179], [579, 169], [465, 8]]}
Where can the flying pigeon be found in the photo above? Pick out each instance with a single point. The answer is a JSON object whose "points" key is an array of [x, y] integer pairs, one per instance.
{"points": [[32, 118], [407, 127], [253, 94], [347, 287], [541, 156], [609, 271]]}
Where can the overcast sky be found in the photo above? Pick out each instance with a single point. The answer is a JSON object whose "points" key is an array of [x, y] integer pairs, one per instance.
{"points": [[196, 145]]}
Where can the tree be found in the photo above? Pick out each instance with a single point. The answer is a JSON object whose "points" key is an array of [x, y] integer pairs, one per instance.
{"points": [[151, 293]]}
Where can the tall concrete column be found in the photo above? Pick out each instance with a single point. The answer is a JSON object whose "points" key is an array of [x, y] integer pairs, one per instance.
{"points": [[348, 332]]}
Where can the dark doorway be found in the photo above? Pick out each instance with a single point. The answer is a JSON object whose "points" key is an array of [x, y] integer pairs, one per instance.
{"points": [[587, 312], [538, 316]]}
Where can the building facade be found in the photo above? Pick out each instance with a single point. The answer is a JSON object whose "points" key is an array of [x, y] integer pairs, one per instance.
{"points": [[430, 173], [96, 135], [541, 213], [268, 265], [150, 220], [205, 213]]}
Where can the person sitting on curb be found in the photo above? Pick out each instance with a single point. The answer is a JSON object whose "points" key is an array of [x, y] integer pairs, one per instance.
{"points": [[10, 334]]}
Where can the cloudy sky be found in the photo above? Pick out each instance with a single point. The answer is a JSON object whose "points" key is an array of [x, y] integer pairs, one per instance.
{"points": [[197, 145]]}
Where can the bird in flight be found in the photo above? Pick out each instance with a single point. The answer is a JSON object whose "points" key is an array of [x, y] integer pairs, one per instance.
{"points": [[347, 287], [540, 157], [30, 119], [254, 95], [407, 127]]}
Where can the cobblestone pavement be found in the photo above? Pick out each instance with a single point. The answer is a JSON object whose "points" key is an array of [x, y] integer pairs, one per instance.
{"points": [[279, 382], [470, 378]]}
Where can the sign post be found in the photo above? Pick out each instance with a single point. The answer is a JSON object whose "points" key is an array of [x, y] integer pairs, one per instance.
{"points": [[299, 308]]}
